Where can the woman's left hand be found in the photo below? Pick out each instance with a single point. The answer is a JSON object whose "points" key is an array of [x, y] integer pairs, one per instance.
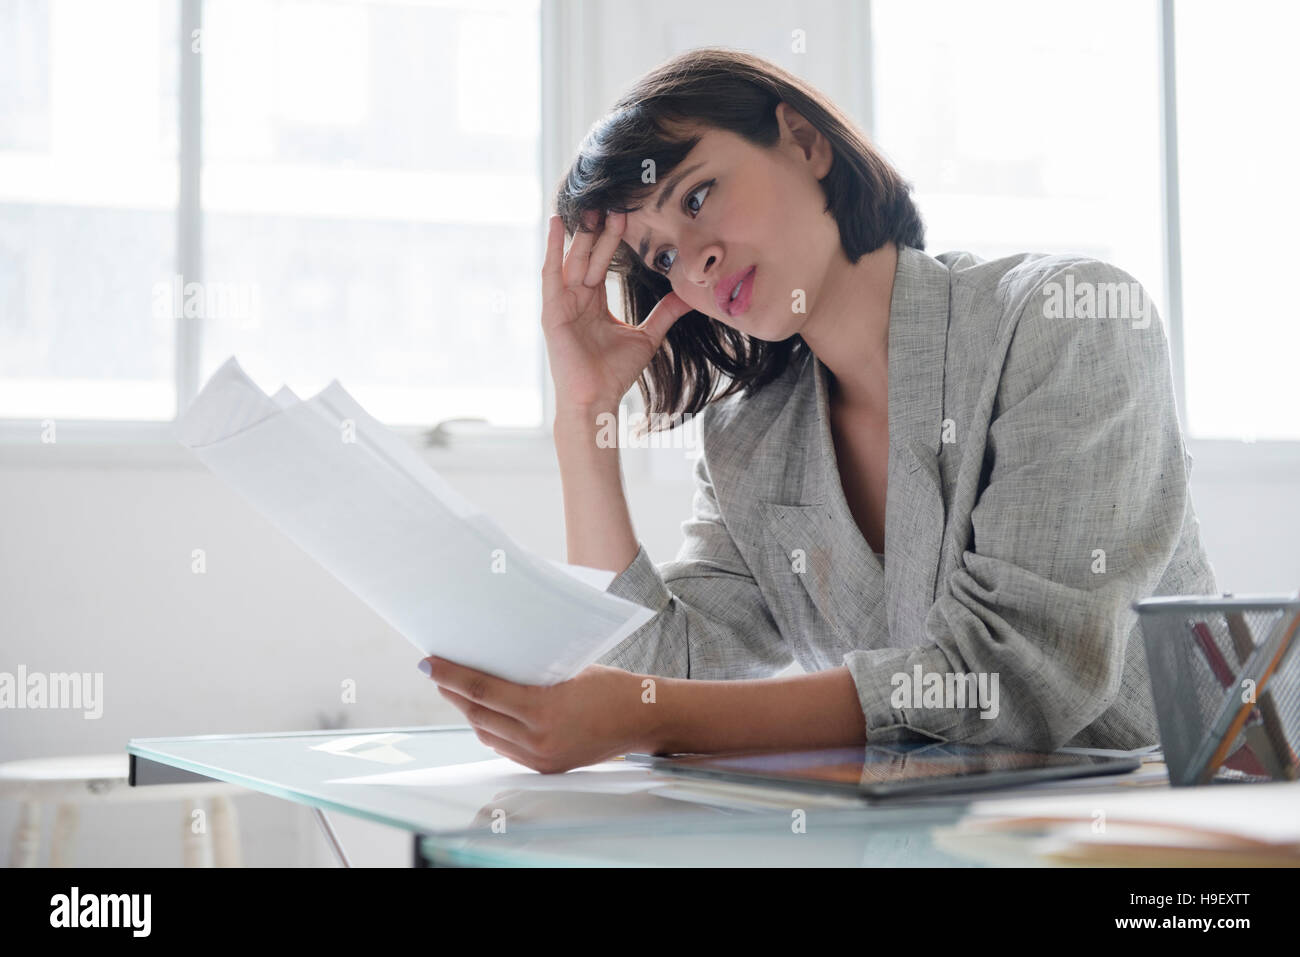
{"points": [[590, 718]]}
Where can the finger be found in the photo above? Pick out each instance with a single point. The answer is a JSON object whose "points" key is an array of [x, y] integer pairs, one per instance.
{"points": [[662, 317], [552, 278], [505, 748], [480, 716], [482, 688], [579, 254], [604, 250]]}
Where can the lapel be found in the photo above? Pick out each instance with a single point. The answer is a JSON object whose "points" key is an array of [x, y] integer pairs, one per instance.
{"points": [[865, 608]]}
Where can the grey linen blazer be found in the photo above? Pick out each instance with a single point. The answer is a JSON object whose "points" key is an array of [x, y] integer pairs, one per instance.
{"points": [[1037, 485]]}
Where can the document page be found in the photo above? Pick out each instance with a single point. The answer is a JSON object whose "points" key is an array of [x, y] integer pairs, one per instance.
{"points": [[365, 505]]}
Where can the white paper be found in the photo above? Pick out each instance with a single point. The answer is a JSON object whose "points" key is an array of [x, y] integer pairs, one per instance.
{"points": [[477, 783], [1268, 813], [381, 748], [372, 512], [740, 797], [610, 777], [595, 577]]}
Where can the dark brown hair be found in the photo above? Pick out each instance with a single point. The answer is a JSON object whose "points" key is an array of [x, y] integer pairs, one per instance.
{"points": [[660, 119]]}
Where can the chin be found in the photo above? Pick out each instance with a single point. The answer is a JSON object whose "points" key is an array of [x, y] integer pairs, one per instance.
{"points": [[756, 328]]}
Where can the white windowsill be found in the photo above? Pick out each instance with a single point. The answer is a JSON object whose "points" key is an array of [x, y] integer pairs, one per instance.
{"points": [[152, 445]]}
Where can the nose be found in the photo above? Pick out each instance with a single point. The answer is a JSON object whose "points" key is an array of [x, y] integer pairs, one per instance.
{"points": [[701, 265]]}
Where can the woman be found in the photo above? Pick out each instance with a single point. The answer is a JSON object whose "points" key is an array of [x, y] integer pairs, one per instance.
{"points": [[937, 483]]}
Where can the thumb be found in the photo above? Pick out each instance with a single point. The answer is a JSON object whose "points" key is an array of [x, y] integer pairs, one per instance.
{"points": [[662, 317]]}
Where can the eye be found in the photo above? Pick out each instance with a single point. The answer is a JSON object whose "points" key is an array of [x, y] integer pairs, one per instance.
{"points": [[704, 188], [692, 210]]}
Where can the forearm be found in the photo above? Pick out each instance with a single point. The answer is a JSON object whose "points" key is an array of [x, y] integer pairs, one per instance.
{"points": [[597, 523], [801, 711]]}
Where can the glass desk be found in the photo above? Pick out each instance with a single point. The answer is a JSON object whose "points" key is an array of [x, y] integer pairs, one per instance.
{"points": [[466, 806], [620, 814], [870, 837]]}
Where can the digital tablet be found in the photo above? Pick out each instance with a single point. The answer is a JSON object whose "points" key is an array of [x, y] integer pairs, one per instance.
{"points": [[880, 771]]}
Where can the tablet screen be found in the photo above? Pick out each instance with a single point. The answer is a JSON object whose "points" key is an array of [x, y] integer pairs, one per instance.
{"points": [[900, 768]]}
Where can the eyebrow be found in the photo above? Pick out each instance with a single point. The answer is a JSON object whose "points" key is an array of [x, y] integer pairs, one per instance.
{"points": [[664, 196]]}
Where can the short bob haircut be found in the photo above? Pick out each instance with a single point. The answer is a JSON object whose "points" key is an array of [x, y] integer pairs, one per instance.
{"points": [[658, 119]]}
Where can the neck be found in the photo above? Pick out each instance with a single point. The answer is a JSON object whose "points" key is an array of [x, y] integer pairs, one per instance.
{"points": [[848, 329]]}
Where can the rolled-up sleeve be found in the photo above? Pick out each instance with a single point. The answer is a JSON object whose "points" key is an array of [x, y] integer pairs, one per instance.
{"points": [[711, 620], [1080, 512]]}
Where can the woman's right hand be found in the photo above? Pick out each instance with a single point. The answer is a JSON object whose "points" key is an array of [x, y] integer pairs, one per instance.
{"points": [[595, 357]]}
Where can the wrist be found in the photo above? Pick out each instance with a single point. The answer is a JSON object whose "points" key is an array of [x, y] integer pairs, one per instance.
{"points": [[568, 414], [587, 427], [650, 719]]}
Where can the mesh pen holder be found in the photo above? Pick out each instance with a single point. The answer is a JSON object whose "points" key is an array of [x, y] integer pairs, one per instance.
{"points": [[1225, 678]]}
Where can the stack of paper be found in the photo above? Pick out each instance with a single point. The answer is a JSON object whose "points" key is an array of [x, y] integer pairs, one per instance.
{"points": [[1215, 825], [366, 506]]}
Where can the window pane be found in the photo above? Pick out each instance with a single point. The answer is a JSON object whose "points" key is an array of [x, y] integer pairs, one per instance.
{"points": [[1237, 147], [372, 202], [1026, 126], [88, 186]]}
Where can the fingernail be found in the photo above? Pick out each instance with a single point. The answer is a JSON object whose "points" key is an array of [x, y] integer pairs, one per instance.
{"points": [[425, 667]]}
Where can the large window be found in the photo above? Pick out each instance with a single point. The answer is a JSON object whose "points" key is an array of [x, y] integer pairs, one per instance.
{"points": [[370, 205], [1027, 126], [1037, 127], [1238, 75], [88, 187], [371, 179], [371, 200]]}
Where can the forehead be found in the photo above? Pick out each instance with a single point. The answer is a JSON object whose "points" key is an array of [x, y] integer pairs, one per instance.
{"points": [[715, 147]]}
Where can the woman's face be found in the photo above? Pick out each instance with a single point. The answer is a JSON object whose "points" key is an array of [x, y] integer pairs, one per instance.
{"points": [[734, 213]]}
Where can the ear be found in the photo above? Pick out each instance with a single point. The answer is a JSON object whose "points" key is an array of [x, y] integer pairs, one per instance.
{"points": [[799, 133]]}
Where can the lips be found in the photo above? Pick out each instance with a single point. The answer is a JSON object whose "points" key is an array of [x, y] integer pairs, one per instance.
{"points": [[722, 292]]}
